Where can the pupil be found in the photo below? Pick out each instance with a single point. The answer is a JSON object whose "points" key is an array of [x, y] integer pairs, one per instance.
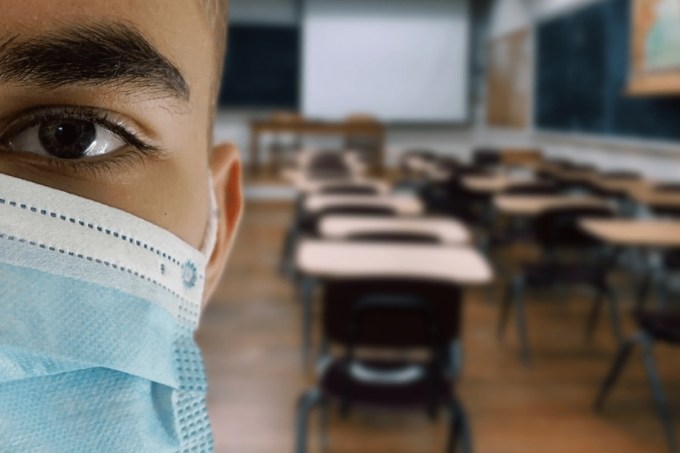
{"points": [[67, 139], [66, 134]]}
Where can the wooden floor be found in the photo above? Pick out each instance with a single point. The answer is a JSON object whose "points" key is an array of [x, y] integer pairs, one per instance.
{"points": [[250, 338]]}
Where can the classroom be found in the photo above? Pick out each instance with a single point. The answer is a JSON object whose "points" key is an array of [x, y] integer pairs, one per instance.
{"points": [[513, 163], [342, 226]]}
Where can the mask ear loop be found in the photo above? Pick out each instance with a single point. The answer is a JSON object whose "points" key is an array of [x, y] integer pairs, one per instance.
{"points": [[210, 238]]}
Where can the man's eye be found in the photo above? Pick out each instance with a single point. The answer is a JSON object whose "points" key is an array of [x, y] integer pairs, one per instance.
{"points": [[66, 139]]}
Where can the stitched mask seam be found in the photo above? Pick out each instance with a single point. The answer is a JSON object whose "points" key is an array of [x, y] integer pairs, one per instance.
{"points": [[184, 307], [92, 226]]}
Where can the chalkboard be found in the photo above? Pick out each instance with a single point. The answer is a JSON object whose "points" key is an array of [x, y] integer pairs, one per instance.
{"points": [[582, 73], [262, 67]]}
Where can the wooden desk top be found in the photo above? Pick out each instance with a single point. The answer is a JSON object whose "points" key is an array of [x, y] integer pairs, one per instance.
{"points": [[346, 260], [403, 204], [624, 185], [448, 231], [496, 183], [635, 233], [649, 195], [533, 205]]}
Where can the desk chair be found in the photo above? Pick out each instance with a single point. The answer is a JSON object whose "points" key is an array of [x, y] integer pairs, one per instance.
{"points": [[486, 157], [392, 315], [663, 326], [558, 231], [350, 189], [307, 225], [669, 187], [670, 260], [424, 155], [331, 162], [503, 236], [452, 198]]}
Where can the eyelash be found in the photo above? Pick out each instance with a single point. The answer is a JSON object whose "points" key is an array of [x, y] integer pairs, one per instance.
{"points": [[140, 151]]}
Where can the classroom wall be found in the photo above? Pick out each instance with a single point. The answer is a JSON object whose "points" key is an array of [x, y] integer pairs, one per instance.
{"points": [[232, 125], [654, 158]]}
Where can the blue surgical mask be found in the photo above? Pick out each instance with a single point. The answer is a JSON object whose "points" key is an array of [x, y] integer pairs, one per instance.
{"points": [[98, 314]]}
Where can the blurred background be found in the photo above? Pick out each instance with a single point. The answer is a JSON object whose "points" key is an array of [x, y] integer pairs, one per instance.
{"points": [[439, 138]]}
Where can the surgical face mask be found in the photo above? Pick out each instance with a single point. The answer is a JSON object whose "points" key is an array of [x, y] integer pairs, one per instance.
{"points": [[99, 310]]}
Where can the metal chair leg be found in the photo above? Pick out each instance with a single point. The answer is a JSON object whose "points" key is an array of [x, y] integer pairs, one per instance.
{"points": [[455, 359], [324, 421], [506, 307], [643, 292], [657, 392], [615, 315], [307, 291], [284, 260], [594, 317], [459, 431], [521, 319], [621, 359], [306, 403]]}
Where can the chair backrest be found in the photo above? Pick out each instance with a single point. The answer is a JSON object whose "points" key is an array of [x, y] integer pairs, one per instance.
{"points": [[328, 160], [560, 228], [621, 175], [349, 189], [391, 313], [669, 187], [666, 210], [395, 236], [534, 189], [486, 157]]}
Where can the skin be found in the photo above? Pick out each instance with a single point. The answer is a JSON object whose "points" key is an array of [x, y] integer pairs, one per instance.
{"points": [[170, 190]]}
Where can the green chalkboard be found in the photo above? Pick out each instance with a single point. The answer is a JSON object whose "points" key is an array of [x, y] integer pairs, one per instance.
{"points": [[582, 74]]}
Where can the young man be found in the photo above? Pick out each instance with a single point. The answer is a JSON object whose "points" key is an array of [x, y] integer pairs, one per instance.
{"points": [[107, 173]]}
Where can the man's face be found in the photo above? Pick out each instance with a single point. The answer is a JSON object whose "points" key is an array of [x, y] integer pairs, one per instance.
{"points": [[111, 101]]}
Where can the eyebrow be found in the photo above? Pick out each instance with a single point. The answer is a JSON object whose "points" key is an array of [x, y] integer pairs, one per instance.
{"points": [[103, 55]]}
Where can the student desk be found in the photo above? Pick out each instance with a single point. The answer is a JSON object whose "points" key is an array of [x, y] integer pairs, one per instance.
{"points": [[406, 205], [657, 234], [348, 260], [653, 236], [446, 230], [417, 164], [373, 130], [650, 196], [323, 260], [534, 205], [497, 183], [624, 186]]}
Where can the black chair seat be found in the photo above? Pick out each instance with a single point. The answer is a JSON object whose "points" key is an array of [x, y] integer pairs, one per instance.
{"points": [[571, 274], [662, 325], [338, 383], [672, 260], [511, 237]]}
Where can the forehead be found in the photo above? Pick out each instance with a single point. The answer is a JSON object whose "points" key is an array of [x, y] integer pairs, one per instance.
{"points": [[178, 29]]}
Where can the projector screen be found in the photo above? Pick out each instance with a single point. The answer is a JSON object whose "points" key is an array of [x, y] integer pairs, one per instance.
{"points": [[400, 60]]}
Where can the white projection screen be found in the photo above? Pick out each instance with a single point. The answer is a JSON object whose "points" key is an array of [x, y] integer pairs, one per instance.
{"points": [[400, 60]]}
